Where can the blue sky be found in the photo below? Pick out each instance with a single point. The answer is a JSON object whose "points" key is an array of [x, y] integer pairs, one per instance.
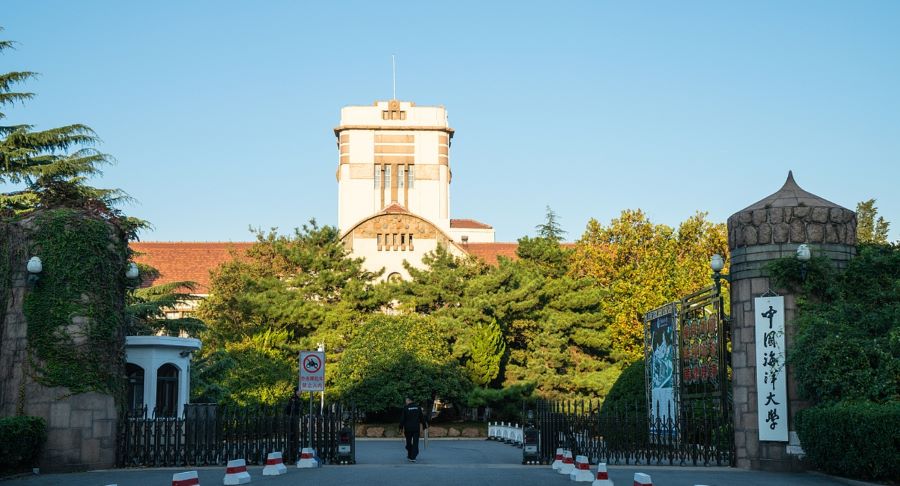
{"points": [[221, 113]]}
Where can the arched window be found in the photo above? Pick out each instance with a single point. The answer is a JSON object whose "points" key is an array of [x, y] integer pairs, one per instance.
{"points": [[135, 392], [167, 390]]}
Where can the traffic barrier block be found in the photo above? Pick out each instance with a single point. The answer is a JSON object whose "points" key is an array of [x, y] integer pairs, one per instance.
{"points": [[307, 458], [602, 476], [188, 478], [558, 459], [568, 464], [236, 472], [641, 479], [582, 471], [274, 465]]}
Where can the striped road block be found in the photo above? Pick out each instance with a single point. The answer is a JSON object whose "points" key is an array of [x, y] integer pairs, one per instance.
{"points": [[558, 459], [641, 479], [274, 465], [602, 477], [568, 464], [236, 473], [582, 472], [307, 458], [188, 478]]}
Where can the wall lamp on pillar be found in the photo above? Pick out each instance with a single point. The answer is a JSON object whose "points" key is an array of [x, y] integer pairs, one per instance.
{"points": [[132, 272], [717, 263], [34, 267], [803, 255]]}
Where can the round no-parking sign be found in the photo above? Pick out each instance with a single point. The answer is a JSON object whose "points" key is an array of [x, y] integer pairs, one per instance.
{"points": [[312, 371]]}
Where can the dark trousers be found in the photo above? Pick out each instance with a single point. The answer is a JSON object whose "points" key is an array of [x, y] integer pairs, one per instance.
{"points": [[412, 442]]}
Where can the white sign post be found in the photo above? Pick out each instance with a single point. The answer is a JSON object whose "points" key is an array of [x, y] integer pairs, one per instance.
{"points": [[312, 371], [771, 376]]}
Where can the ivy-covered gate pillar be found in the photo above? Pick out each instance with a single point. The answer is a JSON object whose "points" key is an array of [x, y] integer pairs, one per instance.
{"points": [[764, 391], [62, 333]]}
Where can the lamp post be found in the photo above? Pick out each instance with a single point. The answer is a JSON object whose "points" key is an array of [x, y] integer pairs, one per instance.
{"points": [[321, 349], [803, 255], [34, 267], [717, 264]]}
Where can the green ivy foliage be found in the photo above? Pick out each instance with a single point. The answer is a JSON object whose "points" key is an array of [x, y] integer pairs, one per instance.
{"points": [[848, 340], [75, 311]]}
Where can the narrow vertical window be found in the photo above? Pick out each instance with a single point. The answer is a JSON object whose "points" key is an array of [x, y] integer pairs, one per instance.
{"points": [[410, 242], [400, 177], [387, 176], [403, 241], [377, 176], [378, 240], [411, 176]]}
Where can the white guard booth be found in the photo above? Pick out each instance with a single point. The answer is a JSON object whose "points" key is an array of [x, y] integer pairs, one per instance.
{"points": [[159, 373]]}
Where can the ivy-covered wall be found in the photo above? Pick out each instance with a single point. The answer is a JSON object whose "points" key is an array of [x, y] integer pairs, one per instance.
{"points": [[75, 312], [61, 338]]}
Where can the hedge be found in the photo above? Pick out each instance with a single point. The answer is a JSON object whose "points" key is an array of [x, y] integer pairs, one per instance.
{"points": [[859, 440], [21, 440]]}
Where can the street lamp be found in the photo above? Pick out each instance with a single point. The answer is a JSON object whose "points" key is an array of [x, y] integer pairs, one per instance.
{"points": [[34, 267], [321, 348], [803, 256], [132, 272], [717, 263]]}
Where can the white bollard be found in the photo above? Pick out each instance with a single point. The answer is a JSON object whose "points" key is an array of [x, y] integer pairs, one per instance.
{"points": [[558, 459], [602, 478], [307, 458], [274, 465], [568, 464], [641, 479], [188, 478], [236, 473], [582, 471]]}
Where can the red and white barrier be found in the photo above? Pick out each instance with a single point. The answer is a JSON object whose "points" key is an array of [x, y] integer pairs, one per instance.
{"points": [[558, 460], [568, 464], [236, 473], [582, 471], [602, 477], [307, 458], [641, 479], [188, 478], [274, 465]]}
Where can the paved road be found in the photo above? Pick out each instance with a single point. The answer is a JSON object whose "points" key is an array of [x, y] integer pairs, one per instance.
{"points": [[445, 462]]}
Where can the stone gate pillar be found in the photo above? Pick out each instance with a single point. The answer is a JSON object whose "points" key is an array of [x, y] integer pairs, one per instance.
{"points": [[768, 230]]}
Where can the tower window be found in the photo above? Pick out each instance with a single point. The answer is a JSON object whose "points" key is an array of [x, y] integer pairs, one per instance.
{"points": [[400, 177], [387, 176], [411, 176], [377, 176]]}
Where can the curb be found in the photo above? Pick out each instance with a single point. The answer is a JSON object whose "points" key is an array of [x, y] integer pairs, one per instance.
{"points": [[851, 482]]}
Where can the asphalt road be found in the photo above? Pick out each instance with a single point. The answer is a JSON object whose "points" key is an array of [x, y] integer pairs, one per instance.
{"points": [[444, 462]]}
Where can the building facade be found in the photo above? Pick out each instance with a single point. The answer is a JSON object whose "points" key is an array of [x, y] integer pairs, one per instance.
{"points": [[393, 180]]}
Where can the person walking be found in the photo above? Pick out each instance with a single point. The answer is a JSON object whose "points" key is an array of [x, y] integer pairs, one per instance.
{"points": [[409, 424], [293, 410]]}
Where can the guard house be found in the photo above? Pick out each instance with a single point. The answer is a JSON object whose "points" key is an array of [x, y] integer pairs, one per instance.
{"points": [[159, 373]]}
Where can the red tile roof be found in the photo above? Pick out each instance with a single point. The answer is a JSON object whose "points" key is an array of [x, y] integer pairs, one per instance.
{"points": [[469, 224], [178, 261], [490, 251]]}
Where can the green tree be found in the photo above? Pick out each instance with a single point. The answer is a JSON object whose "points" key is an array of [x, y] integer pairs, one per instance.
{"points": [[870, 228], [298, 289], [487, 350], [145, 311], [394, 357], [550, 228], [51, 166]]}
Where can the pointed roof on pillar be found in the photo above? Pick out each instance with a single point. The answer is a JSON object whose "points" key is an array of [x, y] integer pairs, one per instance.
{"points": [[791, 195]]}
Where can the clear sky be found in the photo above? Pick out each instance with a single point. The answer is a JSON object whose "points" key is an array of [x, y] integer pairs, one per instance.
{"points": [[221, 113]]}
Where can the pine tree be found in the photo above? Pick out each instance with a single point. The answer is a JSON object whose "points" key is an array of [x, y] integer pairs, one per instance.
{"points": [[550, 228], [50, 165]]}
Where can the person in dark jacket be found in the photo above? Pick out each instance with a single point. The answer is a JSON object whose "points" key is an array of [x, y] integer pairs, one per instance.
{"points": [[409, 424]]}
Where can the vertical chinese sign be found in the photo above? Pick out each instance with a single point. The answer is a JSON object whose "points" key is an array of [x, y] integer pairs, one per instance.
{"points": [[660, 352], [771, 383]]}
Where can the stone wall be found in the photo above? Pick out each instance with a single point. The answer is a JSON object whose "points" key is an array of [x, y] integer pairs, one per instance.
{"points": [[802, 224], [81, 428]]}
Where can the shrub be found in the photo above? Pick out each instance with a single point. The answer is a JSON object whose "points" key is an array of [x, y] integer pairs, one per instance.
{"points": [[859, 440], [506, 404], [21, 440], [629, 391]]}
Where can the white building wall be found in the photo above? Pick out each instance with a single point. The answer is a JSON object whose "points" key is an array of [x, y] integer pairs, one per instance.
{"points": [[152, 352], [475, 235], [392, 260]]}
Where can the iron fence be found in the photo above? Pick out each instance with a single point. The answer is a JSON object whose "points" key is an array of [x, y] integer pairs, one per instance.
{"points": [[208, 434], [696, 435]]}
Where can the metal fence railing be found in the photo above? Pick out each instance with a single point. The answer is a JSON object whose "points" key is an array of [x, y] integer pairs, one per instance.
{"points": [[208, 434], [699, 434]]}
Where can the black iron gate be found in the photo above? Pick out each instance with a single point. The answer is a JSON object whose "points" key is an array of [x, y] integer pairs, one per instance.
{"points": [[211, 435]]}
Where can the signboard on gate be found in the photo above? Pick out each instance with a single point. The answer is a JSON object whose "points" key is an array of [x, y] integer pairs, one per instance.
{"points": [[312, 371], [771, 383], [660, 345]]}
